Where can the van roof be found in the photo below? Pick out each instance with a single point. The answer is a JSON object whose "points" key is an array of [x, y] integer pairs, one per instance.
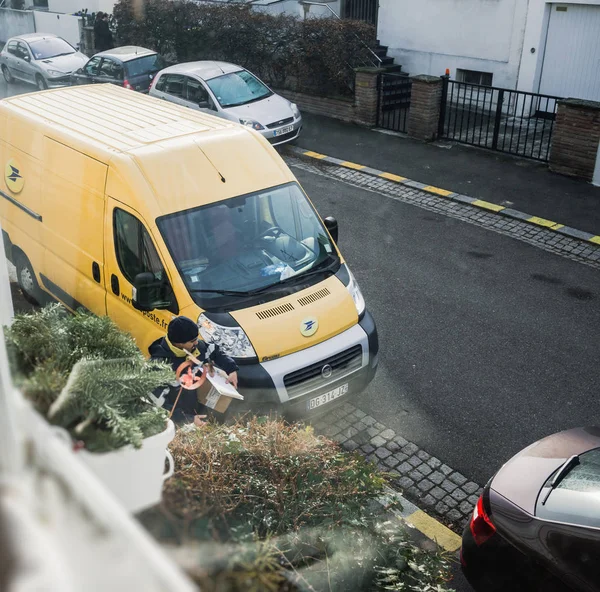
{"points": [[115, 119]]}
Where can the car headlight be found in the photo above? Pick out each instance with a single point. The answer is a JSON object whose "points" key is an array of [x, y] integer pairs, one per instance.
{"points": [[55, 73], [295, 110], [233, 341], [252, 123], [356, 294]]}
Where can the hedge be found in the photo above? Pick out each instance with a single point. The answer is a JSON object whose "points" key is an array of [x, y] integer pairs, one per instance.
{"points": [[315, 56]]}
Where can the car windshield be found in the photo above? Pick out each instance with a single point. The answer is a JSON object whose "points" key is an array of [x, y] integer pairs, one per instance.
{"points": [[576, 499], [238, 88], [145, 65], [247, 243], [50, 48]]}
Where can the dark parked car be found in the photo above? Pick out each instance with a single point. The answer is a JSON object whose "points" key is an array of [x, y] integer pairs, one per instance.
{"points": [[130, 66], [537, 523]]}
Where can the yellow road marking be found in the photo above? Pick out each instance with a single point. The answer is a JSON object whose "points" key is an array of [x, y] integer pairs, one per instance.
{"points": [[595, 239], [557, 226], [314, 154], [352, 165], [437, 190], [487, 205], [435, 530], [392, 177], [541, 221]]}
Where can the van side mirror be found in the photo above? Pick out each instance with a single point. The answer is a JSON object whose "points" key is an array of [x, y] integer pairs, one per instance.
{"points": [[332, 225], [148, 293]]}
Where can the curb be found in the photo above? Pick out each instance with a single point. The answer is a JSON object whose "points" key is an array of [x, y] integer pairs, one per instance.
{"points": [[427, 526], [562, 229]]}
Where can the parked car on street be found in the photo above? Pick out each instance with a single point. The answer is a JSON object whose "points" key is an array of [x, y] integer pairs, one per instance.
{"points": [[129, 66], [537, 524], [230, 92], [42, 59]]}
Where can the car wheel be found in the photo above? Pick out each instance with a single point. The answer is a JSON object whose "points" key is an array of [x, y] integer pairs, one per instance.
{"points": [[40, 83], [7, 75], [27, 280]]}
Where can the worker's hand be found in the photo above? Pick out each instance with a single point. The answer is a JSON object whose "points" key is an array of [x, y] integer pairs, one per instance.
{"points": [[210, 369], [199, 421], [233, 379]]}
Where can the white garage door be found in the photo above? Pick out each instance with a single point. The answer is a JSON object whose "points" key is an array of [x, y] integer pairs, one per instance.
{"points": [[572, 59]]}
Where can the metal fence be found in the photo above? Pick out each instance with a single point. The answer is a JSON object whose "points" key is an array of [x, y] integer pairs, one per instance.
{"points": [[361, 10], [394, 101], [511, 121]]}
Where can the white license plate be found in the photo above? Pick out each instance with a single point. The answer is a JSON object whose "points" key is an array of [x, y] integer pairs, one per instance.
{"points": [[284, 130], [325, 398]]}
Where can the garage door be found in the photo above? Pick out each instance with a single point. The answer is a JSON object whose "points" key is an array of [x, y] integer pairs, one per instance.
{"points": [[572, 58]]}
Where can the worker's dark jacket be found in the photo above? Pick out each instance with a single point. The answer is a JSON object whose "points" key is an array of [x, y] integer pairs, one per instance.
{"points": [[188, 404]]}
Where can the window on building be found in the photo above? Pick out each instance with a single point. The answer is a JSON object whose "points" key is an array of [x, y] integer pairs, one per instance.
{"points": [[474, 77]]}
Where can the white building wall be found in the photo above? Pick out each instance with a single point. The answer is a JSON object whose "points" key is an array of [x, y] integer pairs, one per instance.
{"points": [[63, 25], [535, 38], [15, 22], [71, 6], [428, 36]]}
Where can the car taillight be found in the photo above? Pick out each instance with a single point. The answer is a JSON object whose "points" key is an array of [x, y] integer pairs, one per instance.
{"points": [[482, 527], [126, 84]]}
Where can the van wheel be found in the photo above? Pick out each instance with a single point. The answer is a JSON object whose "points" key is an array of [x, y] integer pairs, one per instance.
{"points": [[7, 75], [27, 280], [40, 83]]}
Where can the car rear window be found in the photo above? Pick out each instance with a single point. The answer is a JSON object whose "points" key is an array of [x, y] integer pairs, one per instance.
{"points": [[576, 499], [145, 65]]}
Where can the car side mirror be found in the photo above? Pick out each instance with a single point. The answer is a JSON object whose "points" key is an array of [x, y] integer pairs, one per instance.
{"points": [[204, 105], [148, 293], [332, 225], [27, 58]]}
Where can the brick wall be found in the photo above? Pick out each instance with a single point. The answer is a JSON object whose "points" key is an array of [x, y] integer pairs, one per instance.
{"points": [[424, 112], [362, 109], [575, 138], [337, 108]]}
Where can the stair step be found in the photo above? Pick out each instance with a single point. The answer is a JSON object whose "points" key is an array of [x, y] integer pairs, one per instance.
{"points": [[380, 47], [393, 68], [387, 61]]}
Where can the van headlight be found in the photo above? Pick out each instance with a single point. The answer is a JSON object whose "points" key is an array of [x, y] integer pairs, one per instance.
{"points": [[233, 341], [356, 294]]}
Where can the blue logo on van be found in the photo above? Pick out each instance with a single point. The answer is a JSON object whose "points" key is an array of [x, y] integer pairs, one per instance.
{"points": [[309, 326]]}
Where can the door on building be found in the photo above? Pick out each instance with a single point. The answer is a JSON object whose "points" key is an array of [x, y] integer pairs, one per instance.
{"points": [[361, 10], [571, 66]]}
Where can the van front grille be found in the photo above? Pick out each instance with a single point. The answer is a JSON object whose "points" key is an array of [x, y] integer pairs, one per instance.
{"points": [[311, 377]]}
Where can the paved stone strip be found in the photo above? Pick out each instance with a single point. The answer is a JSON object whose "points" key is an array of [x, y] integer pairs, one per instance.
{"points": [[478, 203], [569, 243], [422, 478]]}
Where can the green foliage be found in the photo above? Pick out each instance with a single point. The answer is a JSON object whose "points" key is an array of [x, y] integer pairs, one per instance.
{"points": [[315, 55], [87, 376], [271, 506]]}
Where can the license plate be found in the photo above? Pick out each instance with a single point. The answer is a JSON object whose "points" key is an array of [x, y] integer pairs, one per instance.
{"points": [[325, 398], [284, 130]]}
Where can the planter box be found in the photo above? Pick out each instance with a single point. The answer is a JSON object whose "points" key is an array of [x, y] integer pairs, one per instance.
{"points": [[135, 476]]}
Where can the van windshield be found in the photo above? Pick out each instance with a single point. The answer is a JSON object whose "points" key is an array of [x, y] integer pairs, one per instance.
{"points": [[247, 244]]}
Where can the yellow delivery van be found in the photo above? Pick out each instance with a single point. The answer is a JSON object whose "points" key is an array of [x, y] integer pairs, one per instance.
{"points": [[139, 209]]}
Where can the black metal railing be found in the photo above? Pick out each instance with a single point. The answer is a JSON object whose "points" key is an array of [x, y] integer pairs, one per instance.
{"points": [[361, 10], [511, 121], [394, 101]]}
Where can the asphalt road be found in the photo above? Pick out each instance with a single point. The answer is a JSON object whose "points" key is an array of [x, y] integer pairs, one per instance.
{"points": [[487, 343]]}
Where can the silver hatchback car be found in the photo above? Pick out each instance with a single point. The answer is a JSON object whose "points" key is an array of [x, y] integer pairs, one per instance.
{"points": [[230, 92], [42, 59]]}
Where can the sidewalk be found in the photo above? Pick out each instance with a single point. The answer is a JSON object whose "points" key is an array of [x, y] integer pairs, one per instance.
{"points": [[508, 181]]}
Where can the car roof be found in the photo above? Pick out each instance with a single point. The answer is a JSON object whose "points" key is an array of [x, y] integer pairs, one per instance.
{"points": [[204, 70], [127, 52], [31, 37]]}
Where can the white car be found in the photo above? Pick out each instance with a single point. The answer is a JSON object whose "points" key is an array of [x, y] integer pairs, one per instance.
{"points": [[230, 92], [42, 59]]}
